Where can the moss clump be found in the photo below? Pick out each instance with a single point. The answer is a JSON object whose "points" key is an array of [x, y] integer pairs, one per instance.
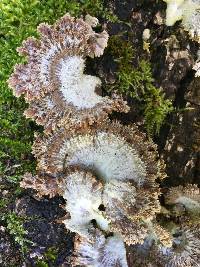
{"points": [[138, 83], [14, 225], [49, 258]]}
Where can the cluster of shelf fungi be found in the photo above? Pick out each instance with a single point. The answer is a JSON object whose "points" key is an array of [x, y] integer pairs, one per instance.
{"points": [[108, 173]]}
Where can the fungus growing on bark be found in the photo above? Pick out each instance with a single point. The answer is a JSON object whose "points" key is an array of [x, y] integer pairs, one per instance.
{"points": [[188, 196], [53, 82], [44, 185], [128, 207], [122, 160], [105, 171], [185, 251], [124, 207], [186, 10], [83, 195], [139, 254], [110, 151], [101, 252]]}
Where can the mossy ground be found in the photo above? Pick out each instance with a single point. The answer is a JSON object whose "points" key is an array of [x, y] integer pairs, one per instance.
{"points": [[134, 76]]}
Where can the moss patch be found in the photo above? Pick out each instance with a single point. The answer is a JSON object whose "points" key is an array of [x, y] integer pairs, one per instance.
{"points": [[138, 83]]}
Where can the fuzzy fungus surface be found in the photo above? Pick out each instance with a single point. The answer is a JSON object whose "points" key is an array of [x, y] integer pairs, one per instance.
{"points": [[53, 80], [83, 195], [122, 160], [106, 172], [185, 251], [128, 208], [44, 185], [186, 10], [111, 151], [102, 252], [188, 197], [113, 206]]}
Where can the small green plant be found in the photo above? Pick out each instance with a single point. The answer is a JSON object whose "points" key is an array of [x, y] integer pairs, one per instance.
{"points": [[16, 230], [49, 257], [3, 203], [156, 109], [138, 83], [42, 263]]}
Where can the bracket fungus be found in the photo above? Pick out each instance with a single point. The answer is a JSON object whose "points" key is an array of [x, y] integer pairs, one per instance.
{"points": [[101, 252], [185, 251], [53, 80], [129, 208], [113, 206], [110, 150], [83, 195], [106, 172], [45, 185], [188, 197], [186, 10], [122, 160]]}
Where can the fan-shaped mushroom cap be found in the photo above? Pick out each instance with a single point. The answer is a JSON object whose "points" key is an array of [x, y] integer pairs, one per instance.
{"points": [[188, 196], [83, 195], [162, 235], [53, 81], [110, 151], [141, 254], [185, 251], [127, 207], [102, 252], [123, 160], [114, 206]]}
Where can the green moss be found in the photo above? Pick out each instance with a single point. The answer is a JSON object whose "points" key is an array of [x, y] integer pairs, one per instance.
{"points": [[138, 83], [42, 263], [3, 203], [49, 258], [14, 225]]}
